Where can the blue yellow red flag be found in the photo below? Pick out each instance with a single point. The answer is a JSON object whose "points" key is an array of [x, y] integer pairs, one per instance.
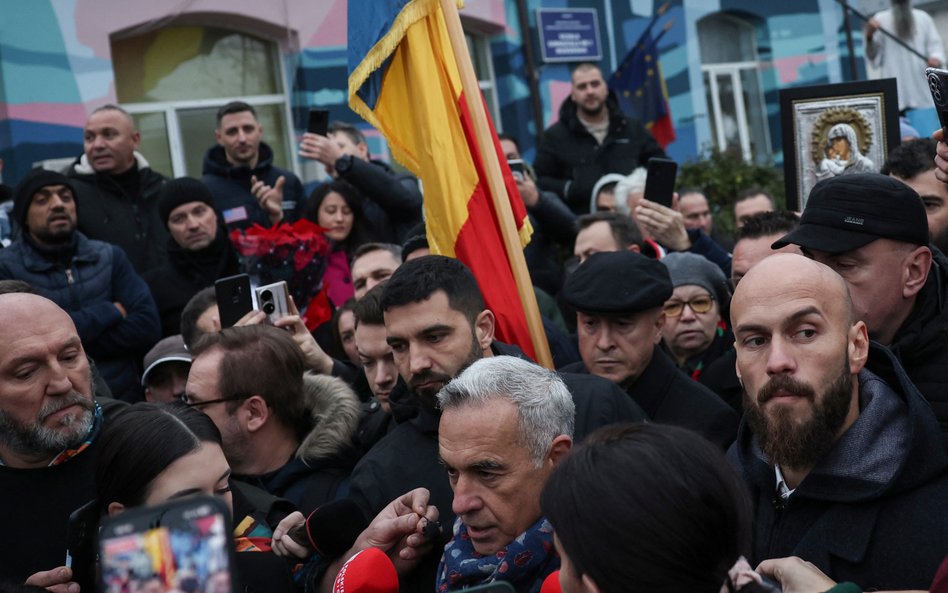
{"points": [[404, 80]]}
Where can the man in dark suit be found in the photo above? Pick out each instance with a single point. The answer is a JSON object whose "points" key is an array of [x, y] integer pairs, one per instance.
{"points": [[619, 298]]}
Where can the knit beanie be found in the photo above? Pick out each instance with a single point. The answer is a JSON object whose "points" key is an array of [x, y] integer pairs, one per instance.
{"points": [[176, 192], [32, 182], [689, 268]]}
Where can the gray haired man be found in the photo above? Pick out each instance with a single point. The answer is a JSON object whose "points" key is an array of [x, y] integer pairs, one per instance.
{"points": [[505, 423]]}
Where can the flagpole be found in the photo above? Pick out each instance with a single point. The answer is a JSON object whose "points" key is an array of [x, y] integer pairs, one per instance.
{"points": [[498, 192]]}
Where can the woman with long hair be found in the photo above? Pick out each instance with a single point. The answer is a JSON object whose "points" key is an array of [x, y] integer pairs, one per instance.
{"points": [[154, 453]]}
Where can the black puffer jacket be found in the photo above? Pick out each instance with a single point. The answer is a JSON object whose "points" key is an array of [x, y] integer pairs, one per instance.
{"points": [[569, 160]]}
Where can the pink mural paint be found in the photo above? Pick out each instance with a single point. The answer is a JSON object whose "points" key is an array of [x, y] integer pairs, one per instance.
{"points": [[558, 91], [60, 114], [332, 28], [788, 69]]}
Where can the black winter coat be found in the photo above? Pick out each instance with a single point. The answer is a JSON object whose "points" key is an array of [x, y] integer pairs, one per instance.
{"points": [[230, 186], [668, 396], [874, 510], [186, 273], [921, 344], [106, 213], [569, 161]]}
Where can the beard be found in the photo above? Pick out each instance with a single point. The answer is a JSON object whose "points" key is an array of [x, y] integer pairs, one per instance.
{"points": [[428, 397], [793, 443], [903, 19], [61, 236], [37, 438], [591, 113]]}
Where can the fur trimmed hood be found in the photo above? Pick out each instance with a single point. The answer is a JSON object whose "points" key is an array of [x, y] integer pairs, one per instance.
{"points": [[335, 412], [82, 166]]}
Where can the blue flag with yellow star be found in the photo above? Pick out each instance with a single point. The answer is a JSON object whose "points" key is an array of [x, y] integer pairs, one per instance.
{"points": [[640, 88]]}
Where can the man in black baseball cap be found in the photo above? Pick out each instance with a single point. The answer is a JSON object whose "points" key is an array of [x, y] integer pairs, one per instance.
{"points": [[619, 298], [873, 231]]}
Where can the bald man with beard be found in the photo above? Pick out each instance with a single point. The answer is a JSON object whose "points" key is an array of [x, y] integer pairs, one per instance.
{"points": [[841, 454], [49, 421]]}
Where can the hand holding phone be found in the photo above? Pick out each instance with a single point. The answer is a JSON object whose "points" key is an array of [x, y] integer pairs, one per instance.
{"points": [[234, 298], [938, 86], [660, 181], [272, 299], [318, 121]]}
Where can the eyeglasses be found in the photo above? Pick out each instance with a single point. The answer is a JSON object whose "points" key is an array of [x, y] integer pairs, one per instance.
{"points": [[196, 404], [701, 304]]}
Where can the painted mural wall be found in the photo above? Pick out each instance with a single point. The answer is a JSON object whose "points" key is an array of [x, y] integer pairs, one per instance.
{"points": [[56, 62]]}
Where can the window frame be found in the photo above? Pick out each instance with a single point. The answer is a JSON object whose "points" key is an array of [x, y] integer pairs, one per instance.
{"points": [[170, 110]]}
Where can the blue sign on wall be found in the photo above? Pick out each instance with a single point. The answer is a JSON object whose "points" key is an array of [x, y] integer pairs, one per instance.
{"points": [[569, 34]]}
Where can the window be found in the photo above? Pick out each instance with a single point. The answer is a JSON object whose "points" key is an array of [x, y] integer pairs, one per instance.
{"points": [[479, 47], [174, 80], [732, 86]]}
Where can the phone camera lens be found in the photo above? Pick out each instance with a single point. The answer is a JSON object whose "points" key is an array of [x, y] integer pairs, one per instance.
{"points": [[266, 302]]}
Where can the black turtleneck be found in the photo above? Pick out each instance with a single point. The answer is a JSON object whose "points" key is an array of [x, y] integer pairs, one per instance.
{"points": [[129, 181]]}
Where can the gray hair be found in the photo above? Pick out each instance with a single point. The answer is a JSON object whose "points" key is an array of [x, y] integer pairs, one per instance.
{"points": [[544, 404], [634, 183]]}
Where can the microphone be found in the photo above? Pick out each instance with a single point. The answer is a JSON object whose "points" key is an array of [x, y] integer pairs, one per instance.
{"points": [[369, 571], [331, 529], [551, 584]]}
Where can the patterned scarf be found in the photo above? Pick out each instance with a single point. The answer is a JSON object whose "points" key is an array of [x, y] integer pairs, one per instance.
{"points": [[524, 563], [68, 454]]}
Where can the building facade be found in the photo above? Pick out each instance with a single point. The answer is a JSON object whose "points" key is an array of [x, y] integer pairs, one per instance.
{"points": [[172, 63]]}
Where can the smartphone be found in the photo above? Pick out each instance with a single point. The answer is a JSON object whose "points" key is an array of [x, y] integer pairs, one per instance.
{"points": [[234, 298], [938, 85], [182, 545], [81, 530], [660, 182], [318, 121], [517, 169], [272, 300]]}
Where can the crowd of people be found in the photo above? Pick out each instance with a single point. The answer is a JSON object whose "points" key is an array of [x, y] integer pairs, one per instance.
{"points": [[727, 411]]}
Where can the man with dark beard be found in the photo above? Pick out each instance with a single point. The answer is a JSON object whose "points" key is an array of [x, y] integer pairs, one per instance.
{"points": [[592, 138], [437, 325], [48, 427], [841, 454], [93, 281], [917, 29]]}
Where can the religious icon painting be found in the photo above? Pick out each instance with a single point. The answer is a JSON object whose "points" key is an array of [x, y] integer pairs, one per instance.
{"points": [[835, 129]]}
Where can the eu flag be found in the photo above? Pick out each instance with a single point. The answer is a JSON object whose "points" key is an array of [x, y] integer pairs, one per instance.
{"points": [[639, 85]]}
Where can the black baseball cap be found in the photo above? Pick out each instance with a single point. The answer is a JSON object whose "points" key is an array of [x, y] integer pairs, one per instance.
{"points": [[849, 211]]}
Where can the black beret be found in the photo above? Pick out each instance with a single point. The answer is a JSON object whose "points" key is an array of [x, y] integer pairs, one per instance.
{"points": [[31, 183], [180, 191], [618, 282]]}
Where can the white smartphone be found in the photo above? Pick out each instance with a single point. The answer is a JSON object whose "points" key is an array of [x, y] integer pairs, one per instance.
{"points": [[272, 299]]}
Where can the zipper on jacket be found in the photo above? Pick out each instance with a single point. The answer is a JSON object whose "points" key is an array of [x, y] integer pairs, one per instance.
{"points": [[69, 277]]}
